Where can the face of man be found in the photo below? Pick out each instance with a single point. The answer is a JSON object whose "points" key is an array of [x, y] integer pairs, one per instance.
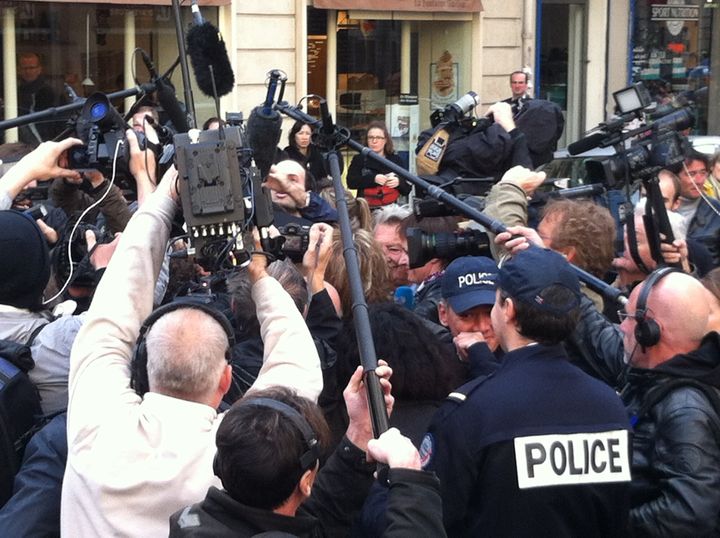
{"points": [[518, 85], [632, 351], [395, 250], [29, 68], [692, 179], [474, 320], [667, 190]]}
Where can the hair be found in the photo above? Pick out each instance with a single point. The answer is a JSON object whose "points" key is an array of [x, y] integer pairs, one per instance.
{"points": [[294, 130], [360, 216], [259, 448], [694, 155], [542, 326], [714, 160], [586, 226], [33, 55], [374, 270], [186, 353], [377, 124], [677, 185], [240, 287], [521, 72], [390, 214], [214, 119], [423, 368]]}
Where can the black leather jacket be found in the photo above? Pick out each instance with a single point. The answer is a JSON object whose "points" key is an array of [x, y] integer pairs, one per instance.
{"points": [[676, 439]]}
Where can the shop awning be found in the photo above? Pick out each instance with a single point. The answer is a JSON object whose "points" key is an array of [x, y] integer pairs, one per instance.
{"points": [[458, 6]]}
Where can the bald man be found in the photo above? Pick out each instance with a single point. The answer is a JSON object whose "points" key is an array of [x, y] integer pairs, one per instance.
{"points": [[668, 372], [290, 196]]}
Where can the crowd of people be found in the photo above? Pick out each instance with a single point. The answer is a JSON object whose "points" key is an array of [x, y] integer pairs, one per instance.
{"points": [[230, 401]]}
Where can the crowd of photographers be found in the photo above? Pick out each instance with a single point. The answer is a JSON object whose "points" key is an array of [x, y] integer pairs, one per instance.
{"points": [[225, 401]]}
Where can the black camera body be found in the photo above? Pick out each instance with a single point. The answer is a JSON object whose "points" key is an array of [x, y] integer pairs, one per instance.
{"points": [[296, 241]]}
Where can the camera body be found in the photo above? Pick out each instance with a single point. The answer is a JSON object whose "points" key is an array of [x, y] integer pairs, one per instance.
{"points": [[296, 241]]}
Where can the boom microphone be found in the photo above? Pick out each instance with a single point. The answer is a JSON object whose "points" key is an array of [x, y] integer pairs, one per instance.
{"points": [[263, 131], [207, 48], [586, 144]]}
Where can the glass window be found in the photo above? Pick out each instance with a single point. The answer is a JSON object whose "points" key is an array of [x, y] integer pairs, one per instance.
{"points": [[672, 44]]}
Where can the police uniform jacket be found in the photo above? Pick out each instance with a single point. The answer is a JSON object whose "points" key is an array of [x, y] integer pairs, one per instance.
{"points": [[500, 478]]}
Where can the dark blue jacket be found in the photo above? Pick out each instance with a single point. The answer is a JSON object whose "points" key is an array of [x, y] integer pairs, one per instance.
{"points": [[705, 228], [472, 443]]}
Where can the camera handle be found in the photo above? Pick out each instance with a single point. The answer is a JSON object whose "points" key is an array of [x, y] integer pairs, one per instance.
{"points": [[609, 292]]}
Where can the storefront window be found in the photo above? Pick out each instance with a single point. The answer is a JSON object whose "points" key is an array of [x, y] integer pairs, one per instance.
{"points": [[671, 53], [83, 47]]}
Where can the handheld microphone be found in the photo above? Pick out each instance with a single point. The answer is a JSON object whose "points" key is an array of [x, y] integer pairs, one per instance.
{"points": [[207, 48], [586, 144]]}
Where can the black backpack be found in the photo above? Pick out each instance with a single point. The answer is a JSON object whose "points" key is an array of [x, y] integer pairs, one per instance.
{"points": [[20, 412]]}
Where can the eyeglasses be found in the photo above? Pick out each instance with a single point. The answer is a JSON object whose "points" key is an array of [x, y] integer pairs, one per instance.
{"points": [[376, 138], [623, 315]]}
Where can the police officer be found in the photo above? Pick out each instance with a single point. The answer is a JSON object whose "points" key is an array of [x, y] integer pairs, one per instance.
{"points": [[537, 447]]}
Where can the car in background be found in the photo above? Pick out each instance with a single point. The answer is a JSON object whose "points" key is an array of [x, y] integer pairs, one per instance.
{"points": [[567, 170]]}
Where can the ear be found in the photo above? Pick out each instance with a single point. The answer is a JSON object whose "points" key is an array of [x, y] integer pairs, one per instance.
{"points": [[569, 252], [509, 310], [442, 314], [307, 480], [225, 380]]}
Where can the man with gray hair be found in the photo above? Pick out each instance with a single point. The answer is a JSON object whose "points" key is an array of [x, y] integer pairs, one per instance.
{"points": [[135, 459], [387, 232]]}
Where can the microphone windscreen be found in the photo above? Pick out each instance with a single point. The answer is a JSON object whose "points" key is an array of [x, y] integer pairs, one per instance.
{"points": [[167, 99], [206, 48], [263, 132], [586, 144]]}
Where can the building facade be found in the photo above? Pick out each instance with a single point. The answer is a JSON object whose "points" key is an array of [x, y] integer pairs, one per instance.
{"points": [[394, 60]]}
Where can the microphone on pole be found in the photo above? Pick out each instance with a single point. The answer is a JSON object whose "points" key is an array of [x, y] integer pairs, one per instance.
{"points": [[209, 57], [586, 144]]}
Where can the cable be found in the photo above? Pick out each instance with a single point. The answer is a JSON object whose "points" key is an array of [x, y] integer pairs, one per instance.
{"points": [[80, 219]]}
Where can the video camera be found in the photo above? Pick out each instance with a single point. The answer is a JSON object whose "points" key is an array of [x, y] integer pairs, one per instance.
{"points": [[659, 144], [423, 246], [101, 129]]}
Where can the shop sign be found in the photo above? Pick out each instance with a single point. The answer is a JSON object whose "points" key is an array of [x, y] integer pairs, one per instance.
{"points": [[664, 12], [461, 6]]}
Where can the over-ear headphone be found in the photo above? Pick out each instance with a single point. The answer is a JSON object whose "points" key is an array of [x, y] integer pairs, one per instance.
{"points": [[138, 369], [309, 457], [647, 330]]}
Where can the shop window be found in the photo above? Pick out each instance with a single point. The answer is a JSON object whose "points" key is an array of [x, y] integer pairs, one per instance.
{"points": [[671, 49]]}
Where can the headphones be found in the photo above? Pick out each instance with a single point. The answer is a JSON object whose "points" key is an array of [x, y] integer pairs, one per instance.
{"points": [[309, 457], [647, 331], [138, 367]]}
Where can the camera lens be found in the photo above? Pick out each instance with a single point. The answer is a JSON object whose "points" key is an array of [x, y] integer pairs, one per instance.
{"points": [[98, 111]]}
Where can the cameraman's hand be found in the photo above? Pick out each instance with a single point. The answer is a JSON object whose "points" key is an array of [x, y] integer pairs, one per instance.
{"points": [[100, 255], [502, 114], [528, 180], [258, 262], [317, 256], [168, 184], [675, 253], [47, 161], [518, 238], [143, 166], [395, 450], [359, 430]]}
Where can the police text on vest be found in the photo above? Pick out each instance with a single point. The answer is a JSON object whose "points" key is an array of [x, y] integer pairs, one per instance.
{"points": [[577, 458]]}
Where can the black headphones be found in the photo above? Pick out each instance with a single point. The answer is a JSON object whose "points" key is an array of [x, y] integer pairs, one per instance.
{"points": [[138, 368], [309, 457], [647, 330]]}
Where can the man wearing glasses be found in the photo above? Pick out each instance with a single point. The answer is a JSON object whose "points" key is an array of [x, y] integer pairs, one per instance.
{"points": [[701, 213], [34, 95]]}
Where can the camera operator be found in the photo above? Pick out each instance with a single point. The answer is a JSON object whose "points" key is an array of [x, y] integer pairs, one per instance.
{"points": [[134, 460], [485, 150]]}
